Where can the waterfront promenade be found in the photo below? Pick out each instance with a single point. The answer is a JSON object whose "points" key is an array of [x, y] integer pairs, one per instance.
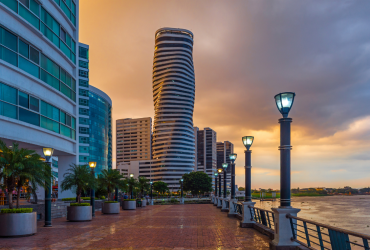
{"points": [[153, 227]]}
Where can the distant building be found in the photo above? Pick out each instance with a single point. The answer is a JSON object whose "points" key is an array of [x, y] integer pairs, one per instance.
{"points": [[100, 115], [224, 149], [206, 153], [134, 138]]}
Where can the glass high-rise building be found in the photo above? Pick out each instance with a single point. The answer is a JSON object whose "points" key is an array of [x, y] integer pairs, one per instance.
{"points": [[173, 146], [38, 75], [224, 149], [100, 133]]}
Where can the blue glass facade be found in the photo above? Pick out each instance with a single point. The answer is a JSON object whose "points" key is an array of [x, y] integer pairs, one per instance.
{"points": [[100, 141]]}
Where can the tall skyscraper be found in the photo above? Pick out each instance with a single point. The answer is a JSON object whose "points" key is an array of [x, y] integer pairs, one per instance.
{"points": [[134, 139], [173, 95], [206, 159], [223, 150]]}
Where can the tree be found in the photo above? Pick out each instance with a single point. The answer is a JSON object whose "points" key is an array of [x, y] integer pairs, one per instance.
{"points": [[197, 183], [241, 189], [111, 179], [20, 165], [79, 177], [132, 184], [160, 186], [143, 185]]}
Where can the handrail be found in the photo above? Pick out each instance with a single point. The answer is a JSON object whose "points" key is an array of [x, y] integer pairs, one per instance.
{"points": [[365, 236], [269, 211], [262, 216]]}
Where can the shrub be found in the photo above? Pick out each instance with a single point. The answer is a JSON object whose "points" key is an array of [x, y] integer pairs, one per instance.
{"points": [[110, 201], [79, 204], [129, 200], [85, 198], [102, 197], [16, 210], [68, 199]]}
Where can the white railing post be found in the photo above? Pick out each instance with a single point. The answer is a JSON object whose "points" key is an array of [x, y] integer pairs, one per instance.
{"points": [[232, 209], [247, 217], [219, 202], [224, 209], [283, 230]]}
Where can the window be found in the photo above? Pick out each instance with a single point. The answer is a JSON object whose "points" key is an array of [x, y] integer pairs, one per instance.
{"points": [[69, 8], [84, 92], [83, 73], [84, 53], [83, 64], [34, 104], [84, 139], [84, 130], [84, 102], [84, 121], [29, 117], [23, 99], [49, 124], [83, 111], [50, 111], [8, 110], [84, 83], [83, 158], [84, 149], [8, 94]]}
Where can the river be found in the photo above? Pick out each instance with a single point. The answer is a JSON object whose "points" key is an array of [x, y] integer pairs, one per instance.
{"points": [[347, 212]]}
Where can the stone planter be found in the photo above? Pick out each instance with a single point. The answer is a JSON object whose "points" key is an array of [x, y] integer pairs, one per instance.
{"points": [[18, 224], [129, 205], [143, 203], [110, 208], [79, 213]]}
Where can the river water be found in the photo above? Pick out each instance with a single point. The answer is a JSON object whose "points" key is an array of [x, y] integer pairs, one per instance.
{"points": [[347, 212]]}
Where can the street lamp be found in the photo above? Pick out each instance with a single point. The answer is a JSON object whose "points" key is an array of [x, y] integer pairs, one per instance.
{"points": [[92, 165], [216, 174], [284, 102], [48, 153], [219, 182], [232, 157], [182, 180], [132, 189], [224, 166], [248, 141], [151, 192]]}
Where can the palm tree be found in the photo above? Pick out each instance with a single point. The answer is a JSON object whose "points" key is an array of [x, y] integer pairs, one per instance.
{"points": [[79, 177], [19, 165], [111, 179], [143, 185], [132, 183]]}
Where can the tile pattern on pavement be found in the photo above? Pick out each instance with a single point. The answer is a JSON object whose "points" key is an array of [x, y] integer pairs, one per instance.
{"points": [[154, 227]]}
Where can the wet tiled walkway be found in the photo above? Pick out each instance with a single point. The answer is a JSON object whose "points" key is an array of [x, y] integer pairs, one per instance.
{"points": [[153, 227]]}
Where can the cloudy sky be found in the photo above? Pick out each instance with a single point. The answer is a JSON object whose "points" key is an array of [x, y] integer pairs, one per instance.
{"points": [[245, 52]]}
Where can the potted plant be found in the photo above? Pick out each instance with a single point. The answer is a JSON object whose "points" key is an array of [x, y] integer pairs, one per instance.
{"points": [[129, 204], [18, 167], [80, 178], [111, 179]]}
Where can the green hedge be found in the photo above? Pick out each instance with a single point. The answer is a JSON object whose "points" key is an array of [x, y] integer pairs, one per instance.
{"points": [[16, 210], [129, 200], [110, 201], [79, 204], [73, 199]]}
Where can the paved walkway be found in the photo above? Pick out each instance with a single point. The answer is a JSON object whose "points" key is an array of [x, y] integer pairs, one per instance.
{"points": [[154, 227]]}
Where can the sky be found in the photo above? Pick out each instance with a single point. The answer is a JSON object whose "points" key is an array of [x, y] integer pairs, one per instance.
{"points": [[244, 53]]}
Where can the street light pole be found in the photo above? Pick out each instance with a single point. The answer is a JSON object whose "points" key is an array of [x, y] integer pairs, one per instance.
{"points": [[182, 199], [48, 153], [92, 165], [248, 141], [132, 189], [232, 158], [151, 193], [216, 184], [219, 182], [225, 165]]}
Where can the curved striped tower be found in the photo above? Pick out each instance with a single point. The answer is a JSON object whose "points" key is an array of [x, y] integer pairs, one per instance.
{"points": [[173, 95]]}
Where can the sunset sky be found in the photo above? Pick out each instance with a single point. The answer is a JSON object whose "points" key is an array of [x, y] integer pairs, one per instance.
{"points": [[245, 52]]}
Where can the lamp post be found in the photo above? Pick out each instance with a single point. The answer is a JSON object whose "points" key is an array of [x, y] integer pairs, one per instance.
{"points": [[48, 153], [224, 166], [92, 165], [182, 199], [248, 141], [232, 158], [219, 182], [216, 174], [151, 193], [132, 190], [282, 239], [284, 102]]}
